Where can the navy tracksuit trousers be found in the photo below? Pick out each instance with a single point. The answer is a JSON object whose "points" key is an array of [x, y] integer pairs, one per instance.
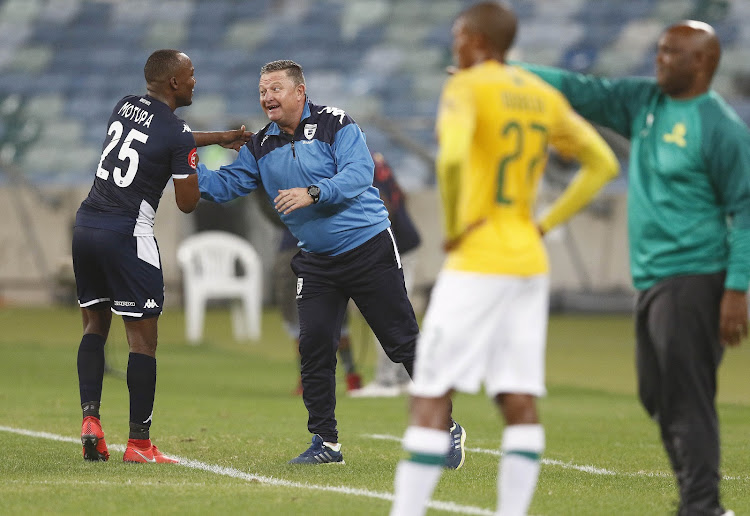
{"points": [[371, 275]]}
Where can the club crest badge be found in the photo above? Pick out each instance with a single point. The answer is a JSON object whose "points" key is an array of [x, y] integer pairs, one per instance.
{"points": [[310, 130], [299, 286]]}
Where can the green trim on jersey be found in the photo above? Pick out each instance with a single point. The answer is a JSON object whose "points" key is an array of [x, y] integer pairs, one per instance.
{"points": [[689, 175]]}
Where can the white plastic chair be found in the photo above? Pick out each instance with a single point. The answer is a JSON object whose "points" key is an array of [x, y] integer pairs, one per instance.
{"points": [[209, 264]]}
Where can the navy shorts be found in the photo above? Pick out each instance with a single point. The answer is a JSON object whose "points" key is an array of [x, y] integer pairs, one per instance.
{"points": [[122, 272]]}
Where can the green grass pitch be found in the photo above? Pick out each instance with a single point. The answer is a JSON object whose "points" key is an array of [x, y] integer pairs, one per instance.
{"points": [[226, 408]]}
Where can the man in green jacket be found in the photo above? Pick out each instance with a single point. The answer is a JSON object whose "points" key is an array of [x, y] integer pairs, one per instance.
{"points": [[689, 231]]}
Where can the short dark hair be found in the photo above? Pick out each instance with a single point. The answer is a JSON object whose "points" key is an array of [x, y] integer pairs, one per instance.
{"points": [[162, 65], [293, 70], [495, 21]]}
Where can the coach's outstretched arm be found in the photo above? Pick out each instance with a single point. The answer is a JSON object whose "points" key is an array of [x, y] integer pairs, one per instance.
{"points": [[237, 179], [612, 103]]}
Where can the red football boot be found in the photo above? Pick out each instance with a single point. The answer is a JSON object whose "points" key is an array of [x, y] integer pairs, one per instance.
{"points": [[141, 450], [92, 438]]}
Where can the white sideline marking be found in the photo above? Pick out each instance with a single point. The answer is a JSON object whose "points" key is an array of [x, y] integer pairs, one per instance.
{"points": [[72, 482], [235, 473], [565, 465]]}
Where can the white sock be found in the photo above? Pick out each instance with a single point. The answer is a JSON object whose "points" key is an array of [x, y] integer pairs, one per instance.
{"points": [[417, 476], [519, 468]]}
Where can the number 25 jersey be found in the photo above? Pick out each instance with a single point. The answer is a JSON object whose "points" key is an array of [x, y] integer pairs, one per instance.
{"points": [[146, 145]]}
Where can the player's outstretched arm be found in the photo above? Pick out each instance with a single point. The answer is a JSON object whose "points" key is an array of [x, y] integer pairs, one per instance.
{"points": [[230, 139]]}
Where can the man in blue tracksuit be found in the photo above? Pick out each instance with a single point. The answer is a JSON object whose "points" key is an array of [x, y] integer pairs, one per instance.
{"points": [[315, 166]]}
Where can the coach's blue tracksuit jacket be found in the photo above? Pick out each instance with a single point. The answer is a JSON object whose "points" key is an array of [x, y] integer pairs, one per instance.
{"points": [[328, 149]]}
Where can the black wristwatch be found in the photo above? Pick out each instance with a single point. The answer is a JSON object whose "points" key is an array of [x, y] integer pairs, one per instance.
{"points": [[314, 192]]}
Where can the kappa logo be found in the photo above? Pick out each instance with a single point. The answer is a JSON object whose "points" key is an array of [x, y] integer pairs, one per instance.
{"points": [[677, 136], [310, 130], [186, 128], [335, 112], [150, 303], [299, 288]]}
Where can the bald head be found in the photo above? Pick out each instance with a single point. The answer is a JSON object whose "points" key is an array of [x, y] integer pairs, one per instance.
{"points": [[702, 38], [687, 58]]}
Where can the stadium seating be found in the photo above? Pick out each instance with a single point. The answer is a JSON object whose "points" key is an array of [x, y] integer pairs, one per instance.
{"points": [[370, 57]]}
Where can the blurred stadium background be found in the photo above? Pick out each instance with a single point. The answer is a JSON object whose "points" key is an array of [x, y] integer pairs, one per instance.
{"points": [[64, 63]]}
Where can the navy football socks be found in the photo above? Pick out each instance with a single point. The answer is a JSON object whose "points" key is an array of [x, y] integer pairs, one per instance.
{"points": [[142, 386], [91, 372]]}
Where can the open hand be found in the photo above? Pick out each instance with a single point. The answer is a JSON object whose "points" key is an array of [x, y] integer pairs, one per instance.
{"points": [[236, 138]]}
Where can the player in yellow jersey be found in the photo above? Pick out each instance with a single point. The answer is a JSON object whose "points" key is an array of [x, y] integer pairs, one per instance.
{"points": [[487, 318]]}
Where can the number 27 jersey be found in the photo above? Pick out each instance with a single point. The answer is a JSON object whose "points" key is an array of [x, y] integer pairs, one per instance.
{"points": [[146, 145], [496, 121]]}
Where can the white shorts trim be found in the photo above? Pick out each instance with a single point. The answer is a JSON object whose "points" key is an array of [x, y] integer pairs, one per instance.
{"points": [[93, 302], [129, 314], [483, 329]]}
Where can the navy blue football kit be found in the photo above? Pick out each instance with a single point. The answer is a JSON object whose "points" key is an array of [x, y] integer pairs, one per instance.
{"points": [[115, 255]]}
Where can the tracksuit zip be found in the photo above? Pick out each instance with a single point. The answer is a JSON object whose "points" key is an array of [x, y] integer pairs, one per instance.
{"points": [[289, 137]]}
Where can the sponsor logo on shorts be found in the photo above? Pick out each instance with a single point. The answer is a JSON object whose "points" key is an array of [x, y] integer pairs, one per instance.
{"points": [[124, 303], [150, 303]]}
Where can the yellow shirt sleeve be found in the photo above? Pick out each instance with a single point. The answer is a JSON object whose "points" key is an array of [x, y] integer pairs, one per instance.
{"points": [[455, 127], [574, 137]]}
